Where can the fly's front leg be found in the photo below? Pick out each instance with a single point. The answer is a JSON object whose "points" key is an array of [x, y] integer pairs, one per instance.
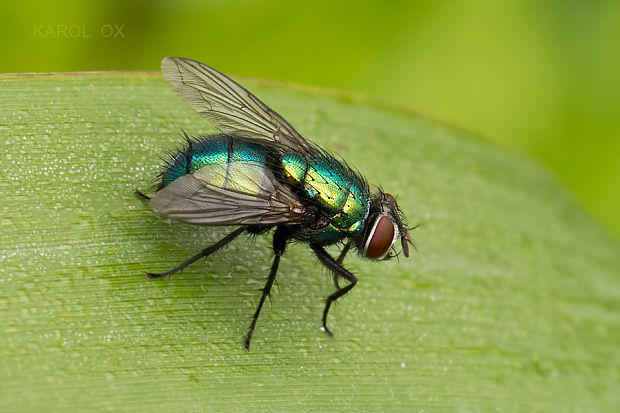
{"points": [[280, 237], [336, 268], [339, 261]]}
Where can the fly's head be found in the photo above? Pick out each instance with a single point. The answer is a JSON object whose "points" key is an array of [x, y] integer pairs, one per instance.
{"points": [[384, 226]]}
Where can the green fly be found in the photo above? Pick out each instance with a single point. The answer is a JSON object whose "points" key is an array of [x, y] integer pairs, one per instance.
{"points": [[261, 175]]}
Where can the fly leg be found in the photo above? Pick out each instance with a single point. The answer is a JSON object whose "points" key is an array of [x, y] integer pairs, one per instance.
{"points": [[343, 253], [204, 253], [279, 244], [140, 195], [336, 268]]}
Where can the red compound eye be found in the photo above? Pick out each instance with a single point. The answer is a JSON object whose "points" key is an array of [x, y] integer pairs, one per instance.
{"points": [[380, 238]]}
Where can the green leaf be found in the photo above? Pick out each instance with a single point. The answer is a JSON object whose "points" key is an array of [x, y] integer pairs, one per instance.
{"points": [[512, 303]]}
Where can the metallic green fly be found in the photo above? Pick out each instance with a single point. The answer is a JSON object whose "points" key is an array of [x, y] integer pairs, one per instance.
{"points": [[261, 175]]}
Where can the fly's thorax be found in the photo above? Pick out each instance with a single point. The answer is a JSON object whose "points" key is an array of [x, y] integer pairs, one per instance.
{"points": [[294, 166], [325, 235], [339, 191]]}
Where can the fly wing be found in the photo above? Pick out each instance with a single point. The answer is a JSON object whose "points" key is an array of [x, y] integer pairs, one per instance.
{"points": [[233, 194], [226, 104]]}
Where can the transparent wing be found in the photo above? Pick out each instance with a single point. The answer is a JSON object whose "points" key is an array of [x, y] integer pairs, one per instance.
{"points": [[226, 104], [234, 194]]}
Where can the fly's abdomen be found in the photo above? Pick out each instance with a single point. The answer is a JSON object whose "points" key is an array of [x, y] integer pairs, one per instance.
{"points": [[332, 185], [223, 162], [223, 180]]}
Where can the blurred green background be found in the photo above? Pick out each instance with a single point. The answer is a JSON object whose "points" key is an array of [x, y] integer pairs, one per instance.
{"points": [[537, 77]]}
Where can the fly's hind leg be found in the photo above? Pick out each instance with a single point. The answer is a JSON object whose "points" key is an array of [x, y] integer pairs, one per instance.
{"points": [[141, 195], [280, 237], [204, 253], [336, 268]]}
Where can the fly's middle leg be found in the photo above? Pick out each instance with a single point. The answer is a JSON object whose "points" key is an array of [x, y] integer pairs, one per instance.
{"points": [[280, 237]]}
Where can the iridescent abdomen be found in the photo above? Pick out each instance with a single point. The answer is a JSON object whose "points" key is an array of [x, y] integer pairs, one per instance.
{"points": [[224, 180], [333, 186], [221, 161]]}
